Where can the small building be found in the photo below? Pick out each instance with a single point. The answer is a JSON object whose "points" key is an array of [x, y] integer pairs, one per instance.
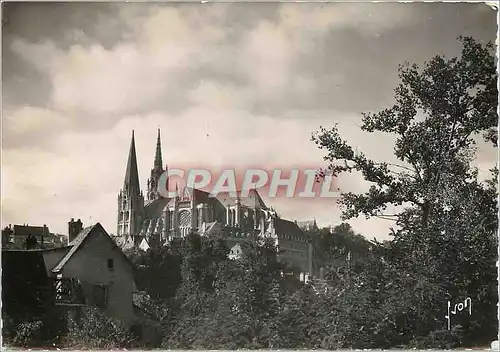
{"points": [[91, 270], [31, 237], [235, 252], [96, 269]]}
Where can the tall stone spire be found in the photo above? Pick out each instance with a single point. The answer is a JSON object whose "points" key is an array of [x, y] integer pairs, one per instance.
{"points": [[130, 199], [158, 160], [156, 172], [131, 183]]}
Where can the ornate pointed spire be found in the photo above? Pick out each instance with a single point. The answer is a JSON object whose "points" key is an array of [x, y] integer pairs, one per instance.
{"points": [[158, 160], [131, 182], [156, 172]]}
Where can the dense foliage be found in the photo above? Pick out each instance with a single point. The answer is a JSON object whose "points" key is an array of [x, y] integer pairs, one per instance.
{"points": [[445, 237], [374, 295]]}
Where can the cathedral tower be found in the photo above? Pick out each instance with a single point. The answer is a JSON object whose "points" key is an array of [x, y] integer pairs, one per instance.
{"points": [[156, 172], [130, 198]]}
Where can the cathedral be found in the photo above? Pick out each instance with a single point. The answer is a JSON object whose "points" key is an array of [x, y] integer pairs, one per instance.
{"points": [[155, 220]]}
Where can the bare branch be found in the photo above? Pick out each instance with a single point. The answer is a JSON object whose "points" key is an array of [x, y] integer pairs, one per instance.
{"points": [[384, 218]]}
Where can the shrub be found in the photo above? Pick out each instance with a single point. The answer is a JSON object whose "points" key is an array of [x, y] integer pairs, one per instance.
{"points": [[28, 334], [93, 329], [442, 339]]}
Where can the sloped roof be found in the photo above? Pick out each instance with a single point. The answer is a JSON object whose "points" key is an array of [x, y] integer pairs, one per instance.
{"points": [[199, 195], [252, 200], [211, 227], [144, 245], [308, 224], [78, 242], [81, 236], [235, 252], [289, 228], [25, 230], [153, 209]]}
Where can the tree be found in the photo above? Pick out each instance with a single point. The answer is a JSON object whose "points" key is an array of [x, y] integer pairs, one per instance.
{"points": [[449, 219], [333, 247], [251, 289], [195, 299], [157, 272], [437, 112], [224, 303], [6, 236]]}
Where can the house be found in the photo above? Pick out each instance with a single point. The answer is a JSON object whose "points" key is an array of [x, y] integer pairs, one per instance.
{"points": [[235, 252], [95, 268], [30, 237], [91, 270]]}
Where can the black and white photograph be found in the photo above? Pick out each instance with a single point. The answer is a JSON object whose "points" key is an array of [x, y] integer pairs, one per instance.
{"points": [[249, 175]]}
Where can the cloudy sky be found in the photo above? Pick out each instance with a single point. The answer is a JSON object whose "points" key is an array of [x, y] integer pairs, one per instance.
{"points": [[227, 83]]}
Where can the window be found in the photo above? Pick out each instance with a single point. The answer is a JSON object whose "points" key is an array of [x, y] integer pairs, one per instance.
{"points": [[68, 291], [200, 217], [170, 220], [111, 264], [100, 297]]}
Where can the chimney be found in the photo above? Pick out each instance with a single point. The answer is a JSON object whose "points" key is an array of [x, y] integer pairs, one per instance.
{"points": [[74, 228], [44, 233]]}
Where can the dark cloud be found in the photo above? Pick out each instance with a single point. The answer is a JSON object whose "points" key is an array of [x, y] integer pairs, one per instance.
{"points": [[352, 69], [38, 21], [357, 71], [35, 22]]}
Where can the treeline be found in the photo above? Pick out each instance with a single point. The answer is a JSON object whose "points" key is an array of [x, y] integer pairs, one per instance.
{"points": [[381, 297], [197, 298]]}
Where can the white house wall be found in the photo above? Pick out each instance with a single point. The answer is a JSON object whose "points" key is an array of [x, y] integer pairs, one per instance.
{"points": [[90, 265]]}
